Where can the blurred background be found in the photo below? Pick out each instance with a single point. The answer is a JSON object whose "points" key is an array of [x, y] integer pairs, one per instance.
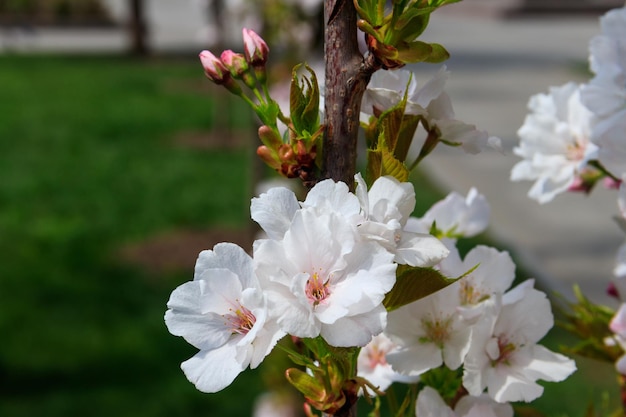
{"points": [[119, 162]]}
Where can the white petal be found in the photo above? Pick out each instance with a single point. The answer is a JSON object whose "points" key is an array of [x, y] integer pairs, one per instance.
{"points": [[227, 256], [416, 359], [211, 371], [274, 210], [420, 249], [355, 330], [430, 404]]}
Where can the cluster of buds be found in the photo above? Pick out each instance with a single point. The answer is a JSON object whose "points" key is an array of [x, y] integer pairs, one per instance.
{"points": [[295, 156], [248, 67], [295, 159]]}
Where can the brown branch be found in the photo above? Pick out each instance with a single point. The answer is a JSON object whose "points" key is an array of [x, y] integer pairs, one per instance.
{"points": [[347, 75]]}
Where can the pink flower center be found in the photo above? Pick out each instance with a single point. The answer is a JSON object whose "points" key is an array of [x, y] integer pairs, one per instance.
{"points": [[576, 151], [376, 356], [316, 289], [240, 320]]}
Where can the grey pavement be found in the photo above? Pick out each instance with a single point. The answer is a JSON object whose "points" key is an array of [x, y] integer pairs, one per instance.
{"points": [[496, 65]]}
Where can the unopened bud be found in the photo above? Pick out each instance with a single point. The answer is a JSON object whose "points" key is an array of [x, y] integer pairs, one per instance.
{"points": [[238, 67], [268, 156], [255, 49], [213, 67], [285, 153], [269, 137]]}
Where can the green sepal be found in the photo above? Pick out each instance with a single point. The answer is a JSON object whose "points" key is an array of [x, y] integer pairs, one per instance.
{"points": [[413, 283], [304, 100], [268, 112]]}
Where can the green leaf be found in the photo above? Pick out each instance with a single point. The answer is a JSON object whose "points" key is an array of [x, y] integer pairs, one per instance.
{"points": [[407, 19], [373, 11], [390, 123], [405, 136], [304, 98], [438, 54], [374, 165], [392, 166], [417, 51], [413, 283]]}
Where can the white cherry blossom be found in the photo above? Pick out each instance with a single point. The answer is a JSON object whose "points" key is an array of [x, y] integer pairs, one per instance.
{"points": [[372, 364], [605, 94], [379, 215], [323, 279], [429, 332], [555, 142], [386, 208], [504, 356], [455, 215], [222, 312], [492, 272], [387, 88]]}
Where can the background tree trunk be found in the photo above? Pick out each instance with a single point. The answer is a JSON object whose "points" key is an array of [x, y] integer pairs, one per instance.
{"points": [[137, 28]]}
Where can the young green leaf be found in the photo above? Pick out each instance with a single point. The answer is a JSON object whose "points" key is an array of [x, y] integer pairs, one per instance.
{"points": [[413, 283]]}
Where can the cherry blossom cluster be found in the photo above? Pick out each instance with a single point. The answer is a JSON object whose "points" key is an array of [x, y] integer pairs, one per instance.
{"points": [[574, 134], [324, 269], [477, 324]]}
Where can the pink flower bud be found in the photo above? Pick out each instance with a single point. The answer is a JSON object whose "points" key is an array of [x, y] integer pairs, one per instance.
{"points": [[255, 49], [236, 63], [213, 67]]}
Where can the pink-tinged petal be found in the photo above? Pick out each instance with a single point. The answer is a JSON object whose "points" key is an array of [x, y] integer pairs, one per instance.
{"points": [[236, 63], [255, 49], [213, 370], [618, 322], [213, 67]]}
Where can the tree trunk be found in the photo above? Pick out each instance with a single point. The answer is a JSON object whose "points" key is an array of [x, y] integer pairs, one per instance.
{"points": [[137, 28], [347, 75]]}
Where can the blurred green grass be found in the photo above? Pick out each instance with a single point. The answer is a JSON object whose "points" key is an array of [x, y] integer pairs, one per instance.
{"points": [[89, 162]]}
